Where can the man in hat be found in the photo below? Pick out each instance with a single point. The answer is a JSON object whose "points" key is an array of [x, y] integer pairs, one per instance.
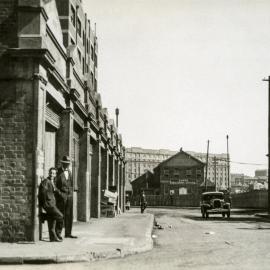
{"points": [[47, 202], [64, 197]]}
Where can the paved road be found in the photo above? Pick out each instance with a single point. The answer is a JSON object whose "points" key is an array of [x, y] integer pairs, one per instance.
{"points": [[188, 242]]}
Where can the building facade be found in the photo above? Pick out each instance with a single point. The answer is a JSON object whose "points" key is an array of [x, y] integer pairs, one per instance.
{"points": [[140, 160], [50, 107], [218, 169], [147, 183], [180, 174]]}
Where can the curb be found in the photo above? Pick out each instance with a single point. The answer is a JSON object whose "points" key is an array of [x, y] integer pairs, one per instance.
{"points": [[85, 256]]}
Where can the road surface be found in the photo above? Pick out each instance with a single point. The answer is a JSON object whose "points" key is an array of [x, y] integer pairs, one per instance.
{"points": [[189, 242]]}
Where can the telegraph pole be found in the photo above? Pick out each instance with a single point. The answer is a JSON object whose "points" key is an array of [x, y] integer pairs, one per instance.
{"points": [[215, 172], [205, 181], [228, 163], [117, 115], [268, 154]]}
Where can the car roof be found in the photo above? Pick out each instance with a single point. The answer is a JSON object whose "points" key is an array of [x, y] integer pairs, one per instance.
{"points": [[213, 193]]}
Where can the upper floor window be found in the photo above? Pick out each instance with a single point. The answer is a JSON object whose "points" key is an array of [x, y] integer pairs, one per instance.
{"points": [[188, 172], [92, 53], [79, 27], [73, 15], [80, 55]]}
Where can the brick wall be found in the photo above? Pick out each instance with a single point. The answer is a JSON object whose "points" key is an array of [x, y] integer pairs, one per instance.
{"points": [[16, 133], [8, 23]]}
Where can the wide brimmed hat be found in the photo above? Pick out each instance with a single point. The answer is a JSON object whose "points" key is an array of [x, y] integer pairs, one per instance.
{"points": [[66, 159]]}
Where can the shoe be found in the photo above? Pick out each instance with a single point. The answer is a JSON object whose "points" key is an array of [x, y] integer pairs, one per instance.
{"points": [[55, 240], [71, 236], [59, 237]]}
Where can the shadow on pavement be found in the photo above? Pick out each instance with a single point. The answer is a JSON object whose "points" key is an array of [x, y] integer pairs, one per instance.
{"points": [[233, 219]]}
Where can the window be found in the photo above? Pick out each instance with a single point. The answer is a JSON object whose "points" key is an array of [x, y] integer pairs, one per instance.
{"points": [[73, 15], [92, 77], [188, 172], [198, 172], [96, 60], [79, 55], [83, 38], [92, 53], [79, 27], [72, 41], [83, 66], [166, 172], [95, 85], [87, 46]]}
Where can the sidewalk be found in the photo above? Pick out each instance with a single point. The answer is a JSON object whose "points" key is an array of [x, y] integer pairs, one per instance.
{"points": [[103, 238]]}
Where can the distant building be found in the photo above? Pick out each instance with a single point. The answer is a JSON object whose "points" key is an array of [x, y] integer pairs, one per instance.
{"points": [[180, 174], [242, 183], [140, 160], [147, 183], [261, 173], [218, 171]]}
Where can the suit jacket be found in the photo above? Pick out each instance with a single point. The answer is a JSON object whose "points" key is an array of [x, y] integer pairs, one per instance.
{"points": [[46, 194], [64, 187]]}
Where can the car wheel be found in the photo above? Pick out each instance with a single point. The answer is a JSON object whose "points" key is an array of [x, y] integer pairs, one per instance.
{"points": [[223, 214], [228, 214], [206, 214]]}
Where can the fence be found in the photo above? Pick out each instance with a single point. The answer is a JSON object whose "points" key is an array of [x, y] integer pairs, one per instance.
{"points": [[188, 200], [252, 199]]}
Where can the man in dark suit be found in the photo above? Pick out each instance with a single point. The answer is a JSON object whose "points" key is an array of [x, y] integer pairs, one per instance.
{"points": [[64, 197], [48, 203]]}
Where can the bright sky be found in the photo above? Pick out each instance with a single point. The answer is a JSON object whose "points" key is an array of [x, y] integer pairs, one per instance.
{"points": [[183, 72]]}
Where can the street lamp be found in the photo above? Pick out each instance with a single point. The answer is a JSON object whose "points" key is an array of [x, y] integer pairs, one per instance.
{"points": [[268, 154]]}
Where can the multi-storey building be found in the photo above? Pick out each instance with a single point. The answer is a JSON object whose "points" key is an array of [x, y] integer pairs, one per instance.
{"points": [[217, 171], [140, 160], [50, 107]]}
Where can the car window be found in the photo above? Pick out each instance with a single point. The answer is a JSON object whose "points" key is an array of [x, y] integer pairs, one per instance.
{"points": [[213, 196]]}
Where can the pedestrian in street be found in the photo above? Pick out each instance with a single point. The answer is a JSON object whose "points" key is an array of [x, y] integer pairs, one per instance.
{"points": [[143, 202], [64, 196], [48, 203]]}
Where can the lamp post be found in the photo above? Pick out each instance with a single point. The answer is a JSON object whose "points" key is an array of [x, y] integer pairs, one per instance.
{"points": [[268, 154]]}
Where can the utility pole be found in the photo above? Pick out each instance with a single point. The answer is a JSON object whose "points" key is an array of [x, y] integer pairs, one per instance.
{"points": [[117, 114], [215, 172], [206, 171], [228, 163], [268, 154]]}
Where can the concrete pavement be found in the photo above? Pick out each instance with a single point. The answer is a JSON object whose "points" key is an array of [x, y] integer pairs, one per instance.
{"points": [[104, 238]]}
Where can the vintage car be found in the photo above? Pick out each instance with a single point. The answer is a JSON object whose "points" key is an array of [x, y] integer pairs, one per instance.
{"points": [[215, 203]]}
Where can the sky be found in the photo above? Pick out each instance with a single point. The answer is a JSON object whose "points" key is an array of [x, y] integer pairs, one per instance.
{"points": [[184, 72]]}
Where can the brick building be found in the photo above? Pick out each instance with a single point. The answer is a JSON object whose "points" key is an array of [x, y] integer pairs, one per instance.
{"points": [[50, 107], [180, 174]]}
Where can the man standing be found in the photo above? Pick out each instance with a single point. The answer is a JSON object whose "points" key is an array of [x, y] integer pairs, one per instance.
{"points": [[143, 202], [48, 203], [64, 196]]}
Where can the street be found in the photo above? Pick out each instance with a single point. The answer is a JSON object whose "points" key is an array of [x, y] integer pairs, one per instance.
{"points": [[186, 241]]}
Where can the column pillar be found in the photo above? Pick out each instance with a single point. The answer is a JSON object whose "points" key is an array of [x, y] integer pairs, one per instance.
{"points": [[104, 169], [39, 101], [84, 176], [96, 179], [117, 181], [111, 170]]}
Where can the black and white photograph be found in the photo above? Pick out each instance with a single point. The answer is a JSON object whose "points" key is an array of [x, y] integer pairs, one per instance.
{"points": [[134, 134]]}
